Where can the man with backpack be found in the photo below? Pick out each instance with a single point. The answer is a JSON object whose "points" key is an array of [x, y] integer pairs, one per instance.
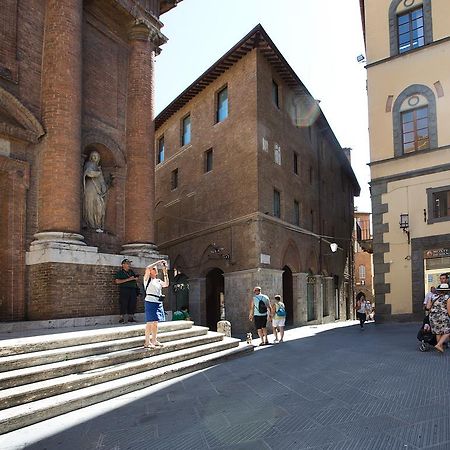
{"points": [[259, 308]]}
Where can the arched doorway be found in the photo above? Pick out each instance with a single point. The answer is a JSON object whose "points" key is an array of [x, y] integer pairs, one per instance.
{"points": [[214, 287], [288, 295], [181, 291]]}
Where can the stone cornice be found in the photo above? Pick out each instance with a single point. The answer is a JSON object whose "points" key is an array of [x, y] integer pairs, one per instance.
{"points": [[143, 30]]}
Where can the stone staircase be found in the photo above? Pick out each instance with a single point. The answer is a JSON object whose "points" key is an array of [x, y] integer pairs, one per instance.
{"points": [[49, 375]]}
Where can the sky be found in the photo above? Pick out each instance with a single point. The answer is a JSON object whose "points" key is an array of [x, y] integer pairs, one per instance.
{"points": [[320, 39]]}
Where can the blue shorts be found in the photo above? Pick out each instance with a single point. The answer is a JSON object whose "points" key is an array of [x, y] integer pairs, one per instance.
{"points": [[154, 312]]}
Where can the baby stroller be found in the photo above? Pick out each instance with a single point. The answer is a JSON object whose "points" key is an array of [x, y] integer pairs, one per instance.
{"points": [[425, 336]]}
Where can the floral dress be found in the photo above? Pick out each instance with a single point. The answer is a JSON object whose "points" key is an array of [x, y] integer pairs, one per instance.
{"points": [[439, 318]]}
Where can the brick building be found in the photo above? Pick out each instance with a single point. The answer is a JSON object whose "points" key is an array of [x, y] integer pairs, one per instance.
{"points": [[75, 76], [252, 187], [363, 255]]}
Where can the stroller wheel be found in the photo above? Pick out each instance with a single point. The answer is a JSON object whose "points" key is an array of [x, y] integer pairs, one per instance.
{"points": [[423, 347]]}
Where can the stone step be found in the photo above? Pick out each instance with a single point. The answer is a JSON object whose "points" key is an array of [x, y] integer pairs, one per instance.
{"points": [[25, 360], [158, 358], [58, 369], [37, 411], [29, 344]]}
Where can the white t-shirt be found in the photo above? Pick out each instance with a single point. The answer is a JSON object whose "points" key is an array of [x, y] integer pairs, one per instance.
{"points": [[429, 296], [154, 288]]}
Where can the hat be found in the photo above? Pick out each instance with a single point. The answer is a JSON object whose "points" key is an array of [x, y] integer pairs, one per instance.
{"points": [[443, 287], [278, 297], [126, 261], [257, 288]]}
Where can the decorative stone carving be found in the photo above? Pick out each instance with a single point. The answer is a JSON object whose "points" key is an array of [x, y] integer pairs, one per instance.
{"points": [[224, 327], [95, 189]]}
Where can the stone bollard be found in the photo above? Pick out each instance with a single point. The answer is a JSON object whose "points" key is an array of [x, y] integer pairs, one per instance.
{"points": [[224, 327]]}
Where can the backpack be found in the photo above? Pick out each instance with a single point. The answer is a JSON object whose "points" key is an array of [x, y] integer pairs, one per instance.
{"points": [[262, 307], [281, 312]]}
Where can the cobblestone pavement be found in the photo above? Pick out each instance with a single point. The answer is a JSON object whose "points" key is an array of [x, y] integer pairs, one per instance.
{"points": [[327, 387]]}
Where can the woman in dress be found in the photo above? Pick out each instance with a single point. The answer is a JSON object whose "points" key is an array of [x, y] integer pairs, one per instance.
{"points": [[361, 308], [439, 308], [154, 311]]}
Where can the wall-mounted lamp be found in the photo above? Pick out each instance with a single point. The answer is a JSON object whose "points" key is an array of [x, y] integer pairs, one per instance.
{"points": [[404, 224]]}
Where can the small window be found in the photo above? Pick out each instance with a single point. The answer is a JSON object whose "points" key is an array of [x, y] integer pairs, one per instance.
{"points": [[222, 105], [174, 179], [415, 130], [362, 272], [296, 213], [310, 175], [160, 156], [276, 203], [209, 160], [410, 27], [275, 94], [277, 154], [186, 135], [296, 163]]}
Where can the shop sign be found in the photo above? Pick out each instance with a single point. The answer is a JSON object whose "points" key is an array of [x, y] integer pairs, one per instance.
{"points": [[437, 253]]}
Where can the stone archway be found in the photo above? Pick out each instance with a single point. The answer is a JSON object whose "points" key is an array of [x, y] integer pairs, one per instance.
{"points": [[180, 288], [288, 294], [214, 289]]}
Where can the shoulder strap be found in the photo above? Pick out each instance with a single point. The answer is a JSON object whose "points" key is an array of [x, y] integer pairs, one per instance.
{"points": [[146, 286]]}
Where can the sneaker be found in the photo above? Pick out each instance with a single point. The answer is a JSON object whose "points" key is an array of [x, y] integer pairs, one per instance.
{"points": [[276, 341]]}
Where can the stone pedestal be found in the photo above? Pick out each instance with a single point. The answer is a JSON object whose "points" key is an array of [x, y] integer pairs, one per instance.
{"points": [[224, 327]]}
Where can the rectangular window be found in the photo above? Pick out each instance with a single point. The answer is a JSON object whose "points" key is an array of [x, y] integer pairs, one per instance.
{"points": [[415, 131], [174, 179], [295, 163], [438, 204], [296, 213], [208, 160], [222, 105], [275, 94], [276, 203], [160, 157], [410, 28], [186, 134], [277, 154]]}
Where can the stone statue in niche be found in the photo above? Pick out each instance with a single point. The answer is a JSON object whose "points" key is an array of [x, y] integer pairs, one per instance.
{"points": [[95, 189]]}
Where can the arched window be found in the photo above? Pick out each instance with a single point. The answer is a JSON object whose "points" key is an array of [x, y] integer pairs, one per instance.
{"points": [[414, 120], [410, 25]]}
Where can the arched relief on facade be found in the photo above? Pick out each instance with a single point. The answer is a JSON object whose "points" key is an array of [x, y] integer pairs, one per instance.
{"points": [[18, 121], [419, 91], [291, 257], [310, 263], [113, 167], [179, 264]]}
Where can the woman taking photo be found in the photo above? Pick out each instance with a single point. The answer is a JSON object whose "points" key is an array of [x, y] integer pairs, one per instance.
{"points": [[154, 311]]}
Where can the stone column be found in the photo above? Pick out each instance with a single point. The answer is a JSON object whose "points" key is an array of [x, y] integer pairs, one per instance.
{"points": [[300, 294], [59, 167], [144, 39]]}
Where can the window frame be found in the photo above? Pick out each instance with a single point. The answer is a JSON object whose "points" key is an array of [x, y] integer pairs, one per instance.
{"points": [[218, 119], [160, 160], [174, 179], [415, 128], [276, 94], [183, 141], [276, 203], [208, 164], [295, 168], [393, 25], [410, 33], [430, 204]]}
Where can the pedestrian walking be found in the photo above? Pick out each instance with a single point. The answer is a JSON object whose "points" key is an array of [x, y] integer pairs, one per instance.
{"points": [[126, 279], [428, 297], [361, 308], [439, 307], [259, 310], [154, 310], [278, 318]]}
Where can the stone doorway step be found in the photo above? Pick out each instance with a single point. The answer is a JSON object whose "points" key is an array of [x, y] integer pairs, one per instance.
{"points": [[51, 374]]}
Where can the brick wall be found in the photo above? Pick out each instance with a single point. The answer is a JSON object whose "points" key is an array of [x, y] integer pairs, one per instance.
{"points": [[70, 290]]}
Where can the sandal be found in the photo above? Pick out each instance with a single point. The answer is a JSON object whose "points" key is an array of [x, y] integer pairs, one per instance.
{"points": [[158, 344], [150, 346]]}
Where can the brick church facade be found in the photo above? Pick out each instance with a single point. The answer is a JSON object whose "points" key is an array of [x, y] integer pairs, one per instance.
{"points": [[252, 188], [75, 77]]}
